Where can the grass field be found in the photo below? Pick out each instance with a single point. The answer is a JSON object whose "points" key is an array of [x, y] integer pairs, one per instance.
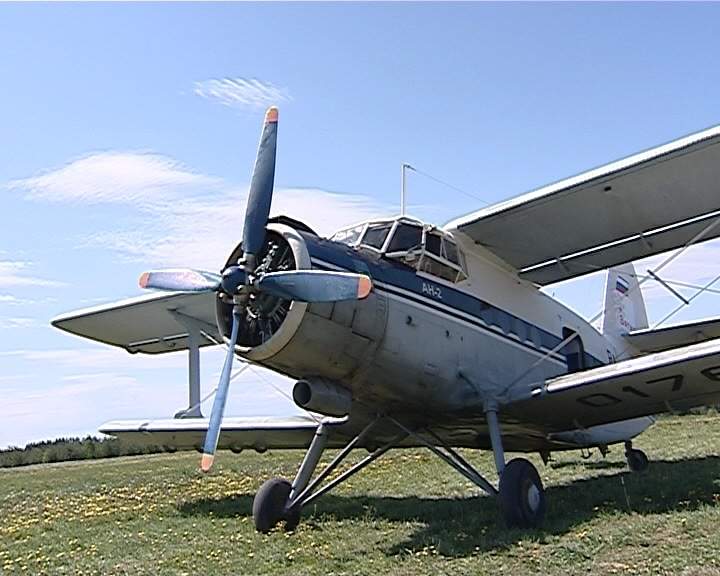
{"points": [[408, 513]]}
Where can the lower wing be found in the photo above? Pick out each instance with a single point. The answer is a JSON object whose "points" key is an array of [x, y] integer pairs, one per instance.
{"points": [[669, 381], [237, 433]]}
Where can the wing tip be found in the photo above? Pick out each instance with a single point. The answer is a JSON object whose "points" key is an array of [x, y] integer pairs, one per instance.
{"points": [[144, 279]]}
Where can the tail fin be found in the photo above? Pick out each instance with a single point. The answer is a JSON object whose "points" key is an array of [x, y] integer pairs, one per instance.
{"points": [[624, 305]]}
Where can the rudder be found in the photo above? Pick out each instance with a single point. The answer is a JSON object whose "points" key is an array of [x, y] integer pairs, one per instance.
{"points": [[624, 304]]}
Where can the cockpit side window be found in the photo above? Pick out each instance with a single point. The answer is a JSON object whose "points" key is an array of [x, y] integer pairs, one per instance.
{"points": [[375, 235], [441, 258], [432, 243], [450, 251]]}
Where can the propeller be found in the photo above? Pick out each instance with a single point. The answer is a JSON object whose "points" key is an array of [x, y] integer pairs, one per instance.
{"points": [[238, 282]]}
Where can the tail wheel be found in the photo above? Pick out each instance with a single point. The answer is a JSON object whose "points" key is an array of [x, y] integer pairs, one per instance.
{"points": [[522, 496], [637, 460]]}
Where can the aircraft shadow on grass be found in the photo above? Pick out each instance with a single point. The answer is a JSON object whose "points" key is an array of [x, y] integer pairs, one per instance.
{"points": [[463, 526]]}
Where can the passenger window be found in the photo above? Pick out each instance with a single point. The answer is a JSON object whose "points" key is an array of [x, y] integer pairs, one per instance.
{"points": [[573, 350]]}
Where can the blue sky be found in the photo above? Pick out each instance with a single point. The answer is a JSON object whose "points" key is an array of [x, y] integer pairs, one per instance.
{"points": [[129, 133]]}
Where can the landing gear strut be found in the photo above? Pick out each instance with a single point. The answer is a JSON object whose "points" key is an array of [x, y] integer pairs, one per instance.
{"points": [[521, 494], [278, 500], [637, 459]]}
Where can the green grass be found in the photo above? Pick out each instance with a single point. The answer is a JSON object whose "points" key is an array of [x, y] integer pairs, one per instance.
{"points": [[408, 513]]}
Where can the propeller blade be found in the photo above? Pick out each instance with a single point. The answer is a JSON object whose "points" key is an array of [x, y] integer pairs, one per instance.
{"points": [[316, 285], [261, 186], [218, 408], [180, 280]]}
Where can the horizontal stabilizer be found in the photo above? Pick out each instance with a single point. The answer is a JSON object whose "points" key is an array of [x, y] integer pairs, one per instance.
{"points": [[675, 336]]}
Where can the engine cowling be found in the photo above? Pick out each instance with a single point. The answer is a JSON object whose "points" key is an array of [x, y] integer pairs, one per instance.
{"points": [[269, 322]]}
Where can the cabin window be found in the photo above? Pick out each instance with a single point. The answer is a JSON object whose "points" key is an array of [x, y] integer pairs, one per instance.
{"points": [[573, 350]]}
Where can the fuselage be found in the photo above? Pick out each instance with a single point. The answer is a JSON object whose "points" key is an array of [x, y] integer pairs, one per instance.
{"points": [[422, 343]]}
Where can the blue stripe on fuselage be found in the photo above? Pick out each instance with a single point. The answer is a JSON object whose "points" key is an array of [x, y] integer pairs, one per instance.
{"points": [[398, 279]]}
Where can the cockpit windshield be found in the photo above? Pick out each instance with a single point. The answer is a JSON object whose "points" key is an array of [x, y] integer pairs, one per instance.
{"points": [[376, 234], [418, 245]]}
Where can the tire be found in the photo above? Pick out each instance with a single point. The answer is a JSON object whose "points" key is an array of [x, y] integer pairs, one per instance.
{"points": [[269, 505], [522, 496], [637, 460]]}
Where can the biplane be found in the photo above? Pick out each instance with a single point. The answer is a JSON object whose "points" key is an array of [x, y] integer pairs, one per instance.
{"points": [[400, 333]]}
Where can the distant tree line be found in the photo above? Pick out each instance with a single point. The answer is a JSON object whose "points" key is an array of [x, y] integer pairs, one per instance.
{"points": [[64, 449]]}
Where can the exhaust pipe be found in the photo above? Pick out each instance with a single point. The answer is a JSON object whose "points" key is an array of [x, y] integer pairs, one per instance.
{"points": [[322, 396]]}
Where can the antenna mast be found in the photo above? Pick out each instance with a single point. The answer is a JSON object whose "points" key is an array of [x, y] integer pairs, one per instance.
{"points": [[402, 186]]}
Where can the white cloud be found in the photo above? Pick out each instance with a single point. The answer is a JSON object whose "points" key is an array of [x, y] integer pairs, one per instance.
{"points": [[241, 92], [144, 180], [10, 300], [21, 322], [202, 232], [106, 359], [182, 218], [13, 273]]}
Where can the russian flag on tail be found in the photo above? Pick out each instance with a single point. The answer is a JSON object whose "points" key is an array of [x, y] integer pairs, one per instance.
{"points": [[622, 285]]}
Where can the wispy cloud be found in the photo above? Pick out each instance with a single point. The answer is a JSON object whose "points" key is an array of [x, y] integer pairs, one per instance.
{"points": [[15, 273], [10, 300], [144, 180], [21, 322], [203, 231], [242, 92], [105, 359], [180, 217]]}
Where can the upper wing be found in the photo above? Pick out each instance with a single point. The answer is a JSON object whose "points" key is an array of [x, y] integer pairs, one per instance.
{"points": [[642, 205], [667, 381], [152, 323], [658, 339]]}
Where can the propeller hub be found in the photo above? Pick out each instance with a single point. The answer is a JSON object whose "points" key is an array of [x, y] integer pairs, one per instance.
{"points": [[233, 277]]}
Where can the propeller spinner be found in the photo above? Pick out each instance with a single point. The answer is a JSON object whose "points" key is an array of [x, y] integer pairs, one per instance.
{"points": [[241, 280]]}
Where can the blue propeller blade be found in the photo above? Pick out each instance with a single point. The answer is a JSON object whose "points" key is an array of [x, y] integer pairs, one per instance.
{"points": [[181, 280], [218, 408], [261, 186], [316, 285]]}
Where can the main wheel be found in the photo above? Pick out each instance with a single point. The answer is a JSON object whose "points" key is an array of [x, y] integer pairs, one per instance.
{"points": [[522, 496], [637, 460], [269, 506]]}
